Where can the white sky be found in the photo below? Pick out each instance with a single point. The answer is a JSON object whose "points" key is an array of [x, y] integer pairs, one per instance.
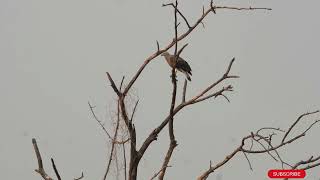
{"points": [[54, 55]]}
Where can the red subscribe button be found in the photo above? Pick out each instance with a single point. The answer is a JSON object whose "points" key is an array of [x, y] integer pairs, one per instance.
{"points": [[286, 173]]}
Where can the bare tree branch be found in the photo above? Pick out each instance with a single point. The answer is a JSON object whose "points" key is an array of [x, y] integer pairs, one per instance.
{"points": [[134, 156], [311, 166], [240, 9], [121, 83], [227, 158], [104, 129], [180, 50], [156, 174], [158, 46], [40, 169], [270, 128], [175, 7], [99, 122], [113, 144], [134, 110], [225, 76], [82, 176], [173, 142], [113, 85], [212, 8], [124, 161], [216, 94], [246, 156], [55, 169], [266, 149], [175, 34], [308, 164], [299, 118]]}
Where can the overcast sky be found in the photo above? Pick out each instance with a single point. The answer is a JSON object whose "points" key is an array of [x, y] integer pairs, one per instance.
{"points": [[54, 55]]}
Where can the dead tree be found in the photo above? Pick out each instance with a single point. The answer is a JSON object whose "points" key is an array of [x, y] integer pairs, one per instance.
{"points": [[263, 137]]}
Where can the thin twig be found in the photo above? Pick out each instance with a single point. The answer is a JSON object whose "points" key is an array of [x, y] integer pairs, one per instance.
{"points": [[113, 144], [308, 163], [116, 159], [156, 174], [213, 168], [202, 10], [55, 169], [121, 83], [99, 122], [134, 110], [184, 18], [270, 128], [122, 141], [225, 76], [311, 166], [158, 47], [242, 8], [203, 25], [180, 50], [104, 129], [212, 8], [315, 122], [113, 85], [245, 155], [216, 94], [310, 160], [82, 176], [266, 149], [291, 127], [124, 161]]}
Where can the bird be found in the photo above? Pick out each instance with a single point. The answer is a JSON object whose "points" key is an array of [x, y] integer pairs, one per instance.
{"points": [[180, 64]]}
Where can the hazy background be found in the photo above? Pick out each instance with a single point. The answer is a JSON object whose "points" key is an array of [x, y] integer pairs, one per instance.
{"points": [[54, 55]]}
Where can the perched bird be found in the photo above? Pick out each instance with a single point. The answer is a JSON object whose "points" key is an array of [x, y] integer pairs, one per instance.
{"points": [[180, 64]]}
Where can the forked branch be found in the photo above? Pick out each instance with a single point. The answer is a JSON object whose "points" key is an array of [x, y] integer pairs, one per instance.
{"points": [[40, 169], [295, 123]]}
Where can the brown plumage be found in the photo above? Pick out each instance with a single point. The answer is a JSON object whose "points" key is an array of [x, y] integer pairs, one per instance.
{"points": [[181, 65]]}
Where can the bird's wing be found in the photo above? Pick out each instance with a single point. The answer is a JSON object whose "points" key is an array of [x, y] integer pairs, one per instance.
{"points": [[182, 64]]}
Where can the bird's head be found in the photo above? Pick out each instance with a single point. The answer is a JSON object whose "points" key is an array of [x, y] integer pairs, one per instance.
{"points": [[165, 54]]}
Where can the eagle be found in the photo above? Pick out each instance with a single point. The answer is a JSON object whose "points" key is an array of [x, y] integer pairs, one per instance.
{"points": [[180, 64]]}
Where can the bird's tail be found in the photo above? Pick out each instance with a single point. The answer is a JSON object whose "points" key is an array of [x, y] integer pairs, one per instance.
{"points": [[188, 76]]}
